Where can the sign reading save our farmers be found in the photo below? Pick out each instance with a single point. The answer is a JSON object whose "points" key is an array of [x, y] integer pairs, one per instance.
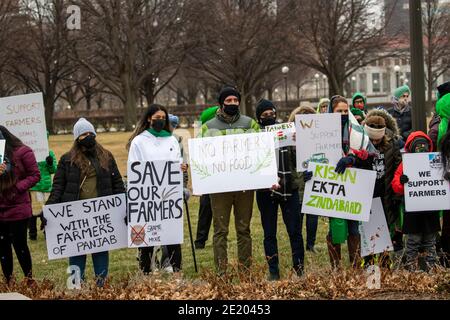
{"points": [[24, 116], [85, 226], [318, 139], [233, 163], [346, 196], [155, 203], [283, 134], [426, 189]]}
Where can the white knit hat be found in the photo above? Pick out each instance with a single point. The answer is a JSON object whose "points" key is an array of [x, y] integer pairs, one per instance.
{"points": [[82, 126]]}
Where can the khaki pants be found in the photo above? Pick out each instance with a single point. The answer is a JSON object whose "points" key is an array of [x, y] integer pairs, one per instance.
{"points": [[221, 205]]}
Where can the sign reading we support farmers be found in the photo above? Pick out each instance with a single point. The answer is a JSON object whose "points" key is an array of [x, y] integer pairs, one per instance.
{"points": [[426, 189], [346, 196], [318, 139], [233, 163], [24, 116], [283, 134], [375, 236], [2, 151], [85, 226], [155, 203]]}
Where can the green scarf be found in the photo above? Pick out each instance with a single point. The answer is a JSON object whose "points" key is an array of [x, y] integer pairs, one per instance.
{"points": [[161, 134], [443, 110]]}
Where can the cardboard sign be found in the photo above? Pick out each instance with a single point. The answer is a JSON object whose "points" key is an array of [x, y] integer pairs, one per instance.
{"points": [[283, 134], [233, 163], [347, 196], [318, 139], [426, 189], [2, 151], [155, 203], [24, 116], [375, 236], [85, 226]]}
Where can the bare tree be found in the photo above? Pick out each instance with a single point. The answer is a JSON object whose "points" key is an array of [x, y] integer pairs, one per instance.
{"points": [[436, 21], [339, 37]]}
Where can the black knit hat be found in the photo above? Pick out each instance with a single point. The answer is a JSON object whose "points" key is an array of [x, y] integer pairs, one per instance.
{"points": [[419, 140], [443, 89], [262, 106], [226, 92]]}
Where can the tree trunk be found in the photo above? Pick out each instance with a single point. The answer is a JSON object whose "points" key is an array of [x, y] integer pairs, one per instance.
{"points": [[130, 114], [49, 109]]}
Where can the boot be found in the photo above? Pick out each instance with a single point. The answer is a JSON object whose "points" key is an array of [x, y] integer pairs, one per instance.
{"points": [[353, 243], [334, 251]]}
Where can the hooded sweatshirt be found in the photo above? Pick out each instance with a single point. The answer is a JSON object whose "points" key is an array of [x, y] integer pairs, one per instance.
{"points": [[359, 95]]}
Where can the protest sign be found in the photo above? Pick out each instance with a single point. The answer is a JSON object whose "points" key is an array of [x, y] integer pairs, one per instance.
{"points": [[2, 151], [375, 236], [24, 116], [155, 203], [233, 163], [85, 226], [283, 134], [346, 196], [426, 189], [318, 139]]}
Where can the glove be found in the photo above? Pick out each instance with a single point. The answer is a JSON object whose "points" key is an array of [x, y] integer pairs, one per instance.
{"points": [[43, 220], [447, 176], [49, 161], [404, 179], [344, 163], [186, 194], [125, 220], [307, 175], [362, 154]]}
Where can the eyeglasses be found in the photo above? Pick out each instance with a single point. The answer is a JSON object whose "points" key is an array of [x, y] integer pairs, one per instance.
{"points": [[405, 96], [376, 126]]}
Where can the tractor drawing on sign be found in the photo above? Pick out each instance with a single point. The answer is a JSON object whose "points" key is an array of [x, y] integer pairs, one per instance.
{"points": [[317, 157]]}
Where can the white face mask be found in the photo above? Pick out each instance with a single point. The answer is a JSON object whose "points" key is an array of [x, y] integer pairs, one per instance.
{"points": [[375, 134]]}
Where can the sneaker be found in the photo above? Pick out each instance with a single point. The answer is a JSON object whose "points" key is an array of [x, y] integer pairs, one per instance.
{"points": [[311, 249], [199, 245], [273, 276]]}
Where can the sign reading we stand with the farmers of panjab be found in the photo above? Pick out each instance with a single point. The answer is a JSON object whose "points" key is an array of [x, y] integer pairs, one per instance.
{"points": [[347, 196], [426, 190], [283, 134], [85, 226], [318, 139], [155, 203], [233, 163], [24, 116]]}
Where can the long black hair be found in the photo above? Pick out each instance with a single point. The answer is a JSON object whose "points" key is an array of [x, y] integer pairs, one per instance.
{"points": [[8, 179], [144, 124], [445, 151]]}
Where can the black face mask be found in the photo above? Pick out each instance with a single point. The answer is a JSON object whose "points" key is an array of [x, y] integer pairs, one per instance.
{"points": [[88, 142], [267, 121], [158, 124], [344, 119], [231, 109]]}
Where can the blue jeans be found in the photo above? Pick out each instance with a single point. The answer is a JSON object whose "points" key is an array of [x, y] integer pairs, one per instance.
{"points": [[101, 262], [292, 217], [311, 230]]}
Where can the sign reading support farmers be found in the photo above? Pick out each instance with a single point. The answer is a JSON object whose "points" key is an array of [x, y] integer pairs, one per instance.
{"points": [[318, 139], [283, 134], [85, 226], [375, 236], [155, 203], [346, 196], [24, 116], [233, 163], [2, 151], [426, 189]]}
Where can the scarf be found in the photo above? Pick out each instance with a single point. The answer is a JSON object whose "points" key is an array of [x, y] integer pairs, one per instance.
{"points": [[375, 134], [161, 134], [221, 115], [396, 104]]}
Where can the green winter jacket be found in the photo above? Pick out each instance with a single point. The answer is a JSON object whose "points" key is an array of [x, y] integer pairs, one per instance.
{"points": [[45, 184], [217, 127], [359, 95]]}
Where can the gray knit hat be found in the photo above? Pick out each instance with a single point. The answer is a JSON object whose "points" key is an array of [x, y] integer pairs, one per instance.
{"points": [[82, 126]]}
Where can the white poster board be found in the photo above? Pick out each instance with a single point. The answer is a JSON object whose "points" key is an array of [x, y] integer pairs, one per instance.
{"points": [[375, 236], [232, 163], [85, 226], [426, 189], [283, 134], [2, 151], [24, 116], [318, 139], [347, 196], [155, 203]]}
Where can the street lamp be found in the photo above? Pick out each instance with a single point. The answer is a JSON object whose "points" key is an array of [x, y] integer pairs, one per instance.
{"points": [[317, 85], [285, 71], [353, 83], [324, 77], [397, 74]]}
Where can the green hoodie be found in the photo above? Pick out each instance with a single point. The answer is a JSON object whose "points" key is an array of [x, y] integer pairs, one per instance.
{"points": [[45, 184], [443, 110], [359, 95]]}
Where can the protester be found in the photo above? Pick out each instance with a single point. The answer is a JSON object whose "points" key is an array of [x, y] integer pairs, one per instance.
{"points": [[86, 171], [420, 227], [153, 140], [445, 234], [18, 173], [322, 107], [311, 219], [388, 158], [228, 120], [358, 114], [41, 191], [401, 110], [359, 102]]}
